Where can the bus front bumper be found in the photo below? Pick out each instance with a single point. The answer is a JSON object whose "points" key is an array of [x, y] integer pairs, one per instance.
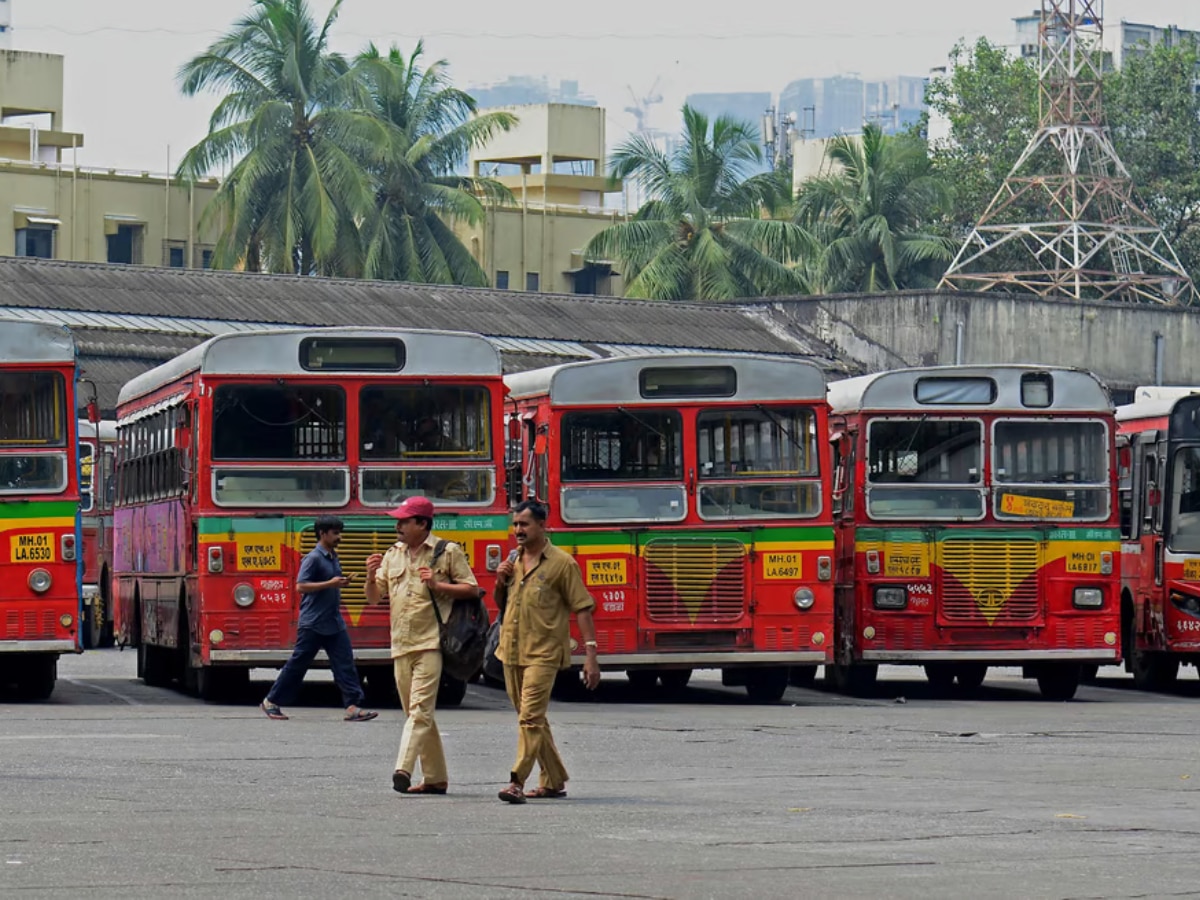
{"points": [[269, 658], [37, 646], [997, 657], [706, 660]]}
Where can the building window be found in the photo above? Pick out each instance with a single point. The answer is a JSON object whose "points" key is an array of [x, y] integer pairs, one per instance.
{"points": [[206, 258], [501, 280], [125, 245], [36, 241], [175, 257], [531, 281]]}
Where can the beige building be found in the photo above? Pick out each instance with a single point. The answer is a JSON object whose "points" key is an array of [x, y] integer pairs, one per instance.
{"points": [[553, 162], [52, 208]]}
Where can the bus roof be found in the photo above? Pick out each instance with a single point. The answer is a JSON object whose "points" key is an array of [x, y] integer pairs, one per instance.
{"points": [[108, 429], [35, 342], [1154, 402], [605, 382], [278, 353], [1072, 389]]}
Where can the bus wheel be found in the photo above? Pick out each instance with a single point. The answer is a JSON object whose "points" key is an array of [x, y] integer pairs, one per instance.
{"points": [[940, 676], [1058, 682], [451, 692], [91, 629], [970, 675], [36, 676], [106, 611], [1152, 671], [674, 680], [1088, 673], [155, 664], [642, 680], [856, 680], [379, 685], [766, 685], [803, 676]]}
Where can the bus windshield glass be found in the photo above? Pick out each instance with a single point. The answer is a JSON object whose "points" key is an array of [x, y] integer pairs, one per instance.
{"points": [[33, 473], [438, 423], [925, 468], [279, 422], [1044, 469], [751, 461], [33, 410], [624, 450], [1185, 501]]}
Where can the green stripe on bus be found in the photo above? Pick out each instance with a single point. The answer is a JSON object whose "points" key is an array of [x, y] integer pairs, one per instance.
{"points": [[258, 524], [916, 535], [16, 508], [811, 534]]}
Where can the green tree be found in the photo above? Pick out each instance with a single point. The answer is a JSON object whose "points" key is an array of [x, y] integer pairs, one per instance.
{"points": [[871, 216], [291, 129], [407, 235], [702, 234]]}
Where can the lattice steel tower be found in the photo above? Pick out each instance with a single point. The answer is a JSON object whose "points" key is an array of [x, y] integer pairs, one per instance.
{"points": [[1093, 240]]}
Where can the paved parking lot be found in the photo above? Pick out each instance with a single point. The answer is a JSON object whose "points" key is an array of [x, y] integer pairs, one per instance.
{"points": [[115, 789]]}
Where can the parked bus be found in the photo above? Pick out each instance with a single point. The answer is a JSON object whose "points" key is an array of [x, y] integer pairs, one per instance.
{"points": [[97, 493], [693, 490], [39, 505], [976, 524], [1160, 528], [227, 453]]}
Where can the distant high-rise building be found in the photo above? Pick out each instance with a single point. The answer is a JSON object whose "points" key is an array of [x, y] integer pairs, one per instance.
{"points": [[743, 106], [520, 90], [832, 105], [895, 104], [1121, 41]]}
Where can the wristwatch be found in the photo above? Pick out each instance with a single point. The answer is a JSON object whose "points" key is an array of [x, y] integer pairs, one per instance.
{"points": [[591, 644]]}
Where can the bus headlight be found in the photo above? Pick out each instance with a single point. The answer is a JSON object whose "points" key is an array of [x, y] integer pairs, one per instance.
{"points": [[804, 598], [891, 597], [1088, 598], [243, 595], [39, 581]]}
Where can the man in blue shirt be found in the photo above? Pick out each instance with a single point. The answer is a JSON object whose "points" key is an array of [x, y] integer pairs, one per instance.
{"points": [[320, 582]]}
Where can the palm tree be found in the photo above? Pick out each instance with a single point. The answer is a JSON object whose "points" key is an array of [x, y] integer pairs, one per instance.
{"points": [[870, 216], [291, 129], [417, 196], [701, 235]]}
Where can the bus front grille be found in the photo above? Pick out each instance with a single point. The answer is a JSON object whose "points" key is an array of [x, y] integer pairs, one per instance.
{"points": [[353, 551], [697, 581], [995, 580]]}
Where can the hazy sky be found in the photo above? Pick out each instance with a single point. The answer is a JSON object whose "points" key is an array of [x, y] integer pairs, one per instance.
{"points": [[122, 55]]}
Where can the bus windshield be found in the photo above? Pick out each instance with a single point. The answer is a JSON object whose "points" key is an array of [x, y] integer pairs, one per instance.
{"points": [[1185, 501], [33, 409], [1050, 469], [33, 473], [424, 422], [751, 460], [279, 422], [925, 468]]}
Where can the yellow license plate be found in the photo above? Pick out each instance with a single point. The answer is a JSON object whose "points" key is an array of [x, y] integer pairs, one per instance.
{"points": [[32, 548]]}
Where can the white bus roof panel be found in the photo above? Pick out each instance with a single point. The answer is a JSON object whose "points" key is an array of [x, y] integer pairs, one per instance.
{"points": [[35, 342], [1153, 402]]}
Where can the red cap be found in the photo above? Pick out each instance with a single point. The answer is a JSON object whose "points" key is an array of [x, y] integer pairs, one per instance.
{"points": [[412, 508]]}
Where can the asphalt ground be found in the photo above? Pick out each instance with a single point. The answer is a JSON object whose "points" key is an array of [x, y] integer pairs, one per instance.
{"points": [[114, 789]]}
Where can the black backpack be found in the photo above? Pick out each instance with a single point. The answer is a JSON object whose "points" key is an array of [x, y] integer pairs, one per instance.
{"points": [[463, 633]]}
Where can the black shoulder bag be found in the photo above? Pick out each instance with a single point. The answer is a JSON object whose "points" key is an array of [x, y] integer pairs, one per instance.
{"points": [[462, 634]]}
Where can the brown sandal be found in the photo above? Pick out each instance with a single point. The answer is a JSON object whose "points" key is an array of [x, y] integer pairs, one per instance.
{"points": [[545, 793], [426, 787], [513, 794]]}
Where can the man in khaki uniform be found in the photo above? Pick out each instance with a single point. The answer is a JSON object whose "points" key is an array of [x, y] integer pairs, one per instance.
{"points": [[406, 577], [544, 587]]}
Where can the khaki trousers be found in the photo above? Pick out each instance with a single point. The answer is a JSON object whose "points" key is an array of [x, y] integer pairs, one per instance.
{"points": [[417, 678], [529, 690]]}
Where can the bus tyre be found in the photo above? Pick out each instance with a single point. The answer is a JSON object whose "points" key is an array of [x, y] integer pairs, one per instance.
{"points": [[1152, 671], [451, 692], [643, 681], [674, 680], [766, 685], [1088, 673], [1058, 682], [856, 680], [803, 676], [36, 676], [155, 665]]}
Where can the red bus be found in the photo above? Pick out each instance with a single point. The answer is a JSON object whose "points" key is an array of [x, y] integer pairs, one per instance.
{"points": [[694, 491], [1160, 530], [97, 493], [227, 453], [39, 505], [976, 525]]}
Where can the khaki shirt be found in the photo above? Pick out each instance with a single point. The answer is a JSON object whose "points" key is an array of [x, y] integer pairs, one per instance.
{"points": [[414, 625], [537, 620]]}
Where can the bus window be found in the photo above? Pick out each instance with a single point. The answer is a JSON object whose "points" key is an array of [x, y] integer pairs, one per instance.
{"points": [[438, 422], [279, 422], [1185, 501], [752, 451], [87, 475], [1050, 470], [924, 468], [32, 409], [33, 473]]}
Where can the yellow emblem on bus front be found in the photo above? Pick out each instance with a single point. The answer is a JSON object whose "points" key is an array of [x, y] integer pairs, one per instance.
{"points": [[258, 556], [606, 571], [32, 548], [1036, 507], [781, 566]]}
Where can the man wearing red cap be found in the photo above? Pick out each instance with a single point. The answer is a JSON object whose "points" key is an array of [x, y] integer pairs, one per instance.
{"points": [[411, 581]]}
